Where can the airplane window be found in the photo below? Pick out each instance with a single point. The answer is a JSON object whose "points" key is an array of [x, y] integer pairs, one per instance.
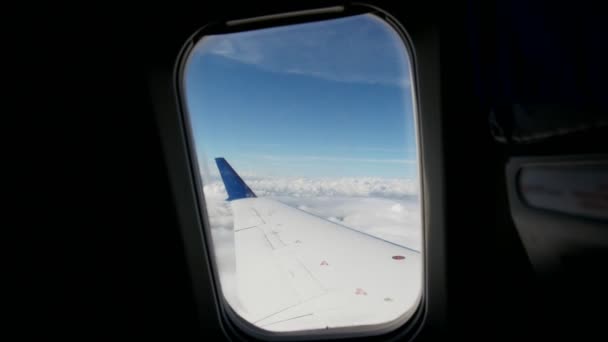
{"points": [[306, 142]]}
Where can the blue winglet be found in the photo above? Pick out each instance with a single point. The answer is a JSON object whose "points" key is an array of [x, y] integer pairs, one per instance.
{"points": [[235, 186]]}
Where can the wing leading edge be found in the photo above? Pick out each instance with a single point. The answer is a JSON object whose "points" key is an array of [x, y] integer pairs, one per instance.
{"points": [[297, 271]]}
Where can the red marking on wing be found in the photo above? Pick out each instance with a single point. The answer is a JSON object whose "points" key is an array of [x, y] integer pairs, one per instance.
{"points": [[398, 257], [359, 291], [324, 263]]}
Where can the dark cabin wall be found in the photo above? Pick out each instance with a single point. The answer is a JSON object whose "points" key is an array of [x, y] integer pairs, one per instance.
{"points": [[115, 222]]}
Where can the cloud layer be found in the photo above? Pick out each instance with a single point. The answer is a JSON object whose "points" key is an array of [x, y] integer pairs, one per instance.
{"points": [[399, 189]]}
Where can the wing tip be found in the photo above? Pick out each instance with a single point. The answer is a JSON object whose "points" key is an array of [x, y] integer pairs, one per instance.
{"points": [[234, 184]]}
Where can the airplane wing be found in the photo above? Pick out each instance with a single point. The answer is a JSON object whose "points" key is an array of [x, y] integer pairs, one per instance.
{"points": [[297, 271]]}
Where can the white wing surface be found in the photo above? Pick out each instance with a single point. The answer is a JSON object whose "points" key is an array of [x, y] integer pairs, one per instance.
{"points": [[296, 271]]}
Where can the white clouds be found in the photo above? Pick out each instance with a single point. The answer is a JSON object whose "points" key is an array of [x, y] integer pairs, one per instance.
{"points": [[395, 220], [223, 47], [387, 208], [401, 189], [241, 50]]}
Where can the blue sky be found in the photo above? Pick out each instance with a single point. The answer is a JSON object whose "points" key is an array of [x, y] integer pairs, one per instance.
{"points": [[324, 99]]}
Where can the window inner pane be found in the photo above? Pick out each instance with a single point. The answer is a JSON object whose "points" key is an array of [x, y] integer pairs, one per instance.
{"points": [[305, 137]]}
